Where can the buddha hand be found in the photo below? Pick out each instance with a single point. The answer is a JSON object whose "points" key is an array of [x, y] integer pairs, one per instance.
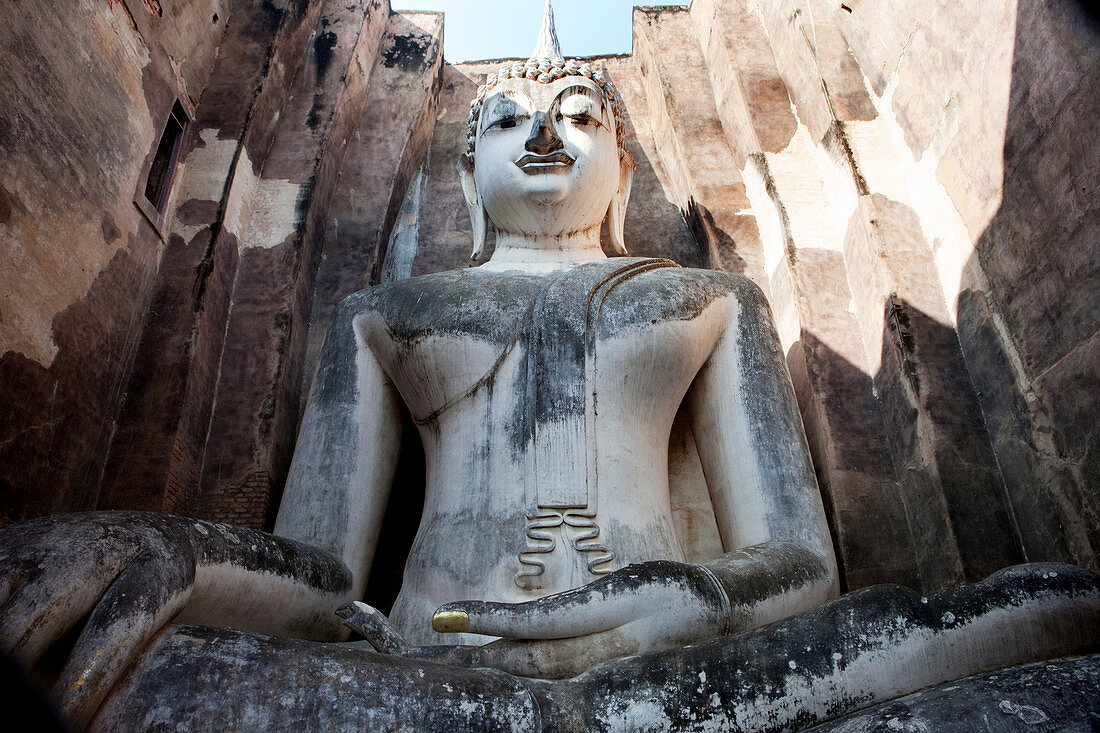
{"points": [[645, 607], [129, 573]]}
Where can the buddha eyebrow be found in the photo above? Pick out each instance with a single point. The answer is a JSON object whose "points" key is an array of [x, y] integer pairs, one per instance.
{"points": [[504, 106], [579, 89]]}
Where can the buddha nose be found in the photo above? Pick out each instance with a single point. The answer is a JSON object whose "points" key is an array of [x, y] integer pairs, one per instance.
{"points": [[544, 139]]}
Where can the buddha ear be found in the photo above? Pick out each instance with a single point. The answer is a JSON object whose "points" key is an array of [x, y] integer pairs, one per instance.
{"points": [[616, 213], [479, 220]]}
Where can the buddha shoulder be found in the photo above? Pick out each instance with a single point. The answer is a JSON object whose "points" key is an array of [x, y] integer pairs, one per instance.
{"points": [[677, 294], [491, 306], [462, 303]]}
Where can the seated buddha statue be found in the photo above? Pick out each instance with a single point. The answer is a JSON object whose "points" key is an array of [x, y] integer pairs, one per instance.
{"points": [[543, 385]]}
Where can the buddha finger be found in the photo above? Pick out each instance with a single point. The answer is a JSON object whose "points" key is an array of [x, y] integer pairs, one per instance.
{"points": [[557, 658], [43, 609], [141, 601], [634, 592], [372, 625], [568, 657], [585, 610]]}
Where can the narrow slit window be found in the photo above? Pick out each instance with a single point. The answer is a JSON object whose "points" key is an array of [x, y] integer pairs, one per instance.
{"points": [[159, 183]]}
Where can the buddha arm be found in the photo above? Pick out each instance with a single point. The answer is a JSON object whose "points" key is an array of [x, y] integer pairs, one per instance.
{"points": [[130, 573], [347, 450], [779, 558]]}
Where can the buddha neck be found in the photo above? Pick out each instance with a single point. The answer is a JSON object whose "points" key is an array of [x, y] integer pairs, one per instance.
{"points": [[541, 253]]}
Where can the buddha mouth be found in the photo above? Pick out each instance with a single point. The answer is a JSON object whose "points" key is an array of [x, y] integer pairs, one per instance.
{"points": [[532, 164]]}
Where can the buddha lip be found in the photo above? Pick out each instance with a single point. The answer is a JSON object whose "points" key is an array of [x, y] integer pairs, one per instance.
{"points": [[531, 163]]}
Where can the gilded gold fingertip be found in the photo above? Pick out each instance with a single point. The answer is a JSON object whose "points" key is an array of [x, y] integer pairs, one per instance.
{"points": [[451, 622]]}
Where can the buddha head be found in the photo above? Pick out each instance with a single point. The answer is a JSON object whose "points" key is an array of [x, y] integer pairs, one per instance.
{"points": [[545, 155]]}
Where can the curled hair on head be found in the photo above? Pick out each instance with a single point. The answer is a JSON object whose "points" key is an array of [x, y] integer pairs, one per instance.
{"points": [[545, 71]]}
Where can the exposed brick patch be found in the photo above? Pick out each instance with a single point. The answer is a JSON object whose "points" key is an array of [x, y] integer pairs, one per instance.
{"points": [[245, 504]]}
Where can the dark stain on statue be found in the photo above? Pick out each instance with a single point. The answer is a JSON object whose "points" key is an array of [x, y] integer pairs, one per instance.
{"points": [[5, 206], [323, 47], [459, 302], [314, 116], [408, 52], [815, 646]]}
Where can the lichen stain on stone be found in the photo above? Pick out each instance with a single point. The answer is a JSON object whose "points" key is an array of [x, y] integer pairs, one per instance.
{"points": [[314, 117], [5, 206], [408, 53], [197, 212], [110, 229], [323, 47]]}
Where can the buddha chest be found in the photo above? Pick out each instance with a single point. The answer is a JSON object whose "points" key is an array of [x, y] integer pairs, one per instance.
{"points": [[442, 337]]}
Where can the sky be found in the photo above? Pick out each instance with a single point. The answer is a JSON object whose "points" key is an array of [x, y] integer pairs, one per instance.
{"points": [[489, 29]]}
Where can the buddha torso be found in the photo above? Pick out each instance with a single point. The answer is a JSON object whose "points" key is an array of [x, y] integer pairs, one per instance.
{"points": [[458, 347]]}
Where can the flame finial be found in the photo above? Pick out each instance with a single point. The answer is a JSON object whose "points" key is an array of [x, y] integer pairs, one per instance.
{"points": [[547, 46]]}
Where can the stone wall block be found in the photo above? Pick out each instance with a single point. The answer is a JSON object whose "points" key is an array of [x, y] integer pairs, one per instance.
{"points": [[1050, 507], [256, 409], [845, 423], [146, 440], [386, 150], [445, 234], [1039, 250], [654, 225], [661, 104], [877, 35], [691, 140], [158, 448], [813, 59], [922, 376], [752, 99], [79, 122]]}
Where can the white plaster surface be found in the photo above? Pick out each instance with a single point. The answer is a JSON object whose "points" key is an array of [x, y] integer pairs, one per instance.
{"points": [[546, 171]]}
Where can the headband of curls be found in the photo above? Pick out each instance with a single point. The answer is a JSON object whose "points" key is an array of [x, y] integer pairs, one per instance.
{"points": [[545, 71]]}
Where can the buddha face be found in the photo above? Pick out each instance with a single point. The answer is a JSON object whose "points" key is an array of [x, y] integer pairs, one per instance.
{"points": [[546, 160]]}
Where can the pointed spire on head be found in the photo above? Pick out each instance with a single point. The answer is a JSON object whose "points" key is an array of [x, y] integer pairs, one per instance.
{"points": [[547, 46]]}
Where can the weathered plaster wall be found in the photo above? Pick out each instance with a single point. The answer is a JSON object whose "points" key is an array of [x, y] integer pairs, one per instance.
{"points": [[271, 57], [255, 410], [913, 128], [1026, 302], [913, 186], [85, 92], [157, 452]]}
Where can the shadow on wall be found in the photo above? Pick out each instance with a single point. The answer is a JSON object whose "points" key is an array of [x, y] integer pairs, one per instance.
{"points": [[990, 430], [56, 422], [1031, 331], [906, 470]]}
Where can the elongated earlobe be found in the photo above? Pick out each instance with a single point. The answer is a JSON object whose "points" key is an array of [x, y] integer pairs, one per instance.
{"points": [[616, 213], [479, 220]]}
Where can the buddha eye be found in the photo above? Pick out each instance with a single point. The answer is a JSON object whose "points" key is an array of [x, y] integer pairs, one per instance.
{"points": [[508, 123], [582, 119]]}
